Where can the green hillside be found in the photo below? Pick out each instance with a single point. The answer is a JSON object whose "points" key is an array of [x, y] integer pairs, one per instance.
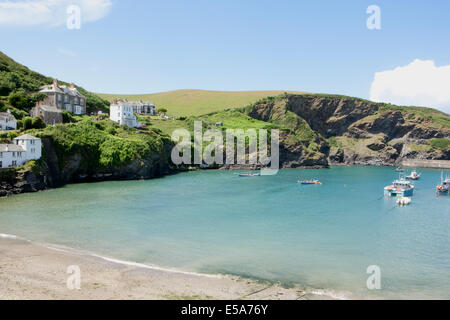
{"points": [[198, 102], [18, 87]]}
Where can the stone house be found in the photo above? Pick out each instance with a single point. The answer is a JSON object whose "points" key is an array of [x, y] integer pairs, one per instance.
{"points": [[64, 98], [48, 114]]}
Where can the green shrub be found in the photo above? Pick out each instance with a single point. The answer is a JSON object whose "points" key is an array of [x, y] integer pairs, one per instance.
{"points": [[440, 143]]}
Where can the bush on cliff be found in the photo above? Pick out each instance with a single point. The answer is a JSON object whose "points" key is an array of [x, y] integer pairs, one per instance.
{"points": [[102, 145]]}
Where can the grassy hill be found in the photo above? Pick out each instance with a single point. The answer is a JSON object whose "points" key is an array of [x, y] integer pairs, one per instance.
{"points": [[197, 102]]}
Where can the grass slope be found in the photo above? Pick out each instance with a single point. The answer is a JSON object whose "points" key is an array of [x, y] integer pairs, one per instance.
{"points": [[197, 102]]}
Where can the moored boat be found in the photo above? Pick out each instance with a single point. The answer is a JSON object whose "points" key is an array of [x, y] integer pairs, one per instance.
{"points": [[249, 175], [400, 187], [444, 187], [403, 201], [413, 176], [306, 182]]}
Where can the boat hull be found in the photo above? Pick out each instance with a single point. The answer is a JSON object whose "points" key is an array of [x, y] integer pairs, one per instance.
{"points": [[399, 192]]}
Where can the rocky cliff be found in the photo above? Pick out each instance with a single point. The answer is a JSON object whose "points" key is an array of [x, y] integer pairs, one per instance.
{"points": [[326, 129], [86, 152]]}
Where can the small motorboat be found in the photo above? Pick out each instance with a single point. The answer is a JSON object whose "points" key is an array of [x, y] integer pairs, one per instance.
{"points": [[399, 169], [413, 176], [249, 175], [306, 182], [400, 187], [403, 201], [444, 187]]}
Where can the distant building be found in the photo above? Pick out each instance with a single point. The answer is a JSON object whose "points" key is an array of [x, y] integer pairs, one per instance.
{"points": [[139, 107], [123, 114], [7, 121], [23, 149], [48, 114], [64, 98]]}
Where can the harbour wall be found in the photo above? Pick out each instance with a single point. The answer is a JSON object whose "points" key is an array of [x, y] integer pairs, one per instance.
{"points": [[433, 164]]}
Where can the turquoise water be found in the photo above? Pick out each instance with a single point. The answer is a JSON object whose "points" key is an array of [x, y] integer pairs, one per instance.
{"points": [[319, 237]]}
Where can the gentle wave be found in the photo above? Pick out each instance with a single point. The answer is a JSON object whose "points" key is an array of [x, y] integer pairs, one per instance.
{"points": [[70, 250]]}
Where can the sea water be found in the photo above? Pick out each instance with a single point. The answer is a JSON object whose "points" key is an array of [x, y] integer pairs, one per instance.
{"points": [[321, 238]]}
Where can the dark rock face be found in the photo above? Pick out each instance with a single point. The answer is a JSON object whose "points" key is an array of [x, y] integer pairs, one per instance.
{"points": [[374, 136], [330, 117], [21, 182]]}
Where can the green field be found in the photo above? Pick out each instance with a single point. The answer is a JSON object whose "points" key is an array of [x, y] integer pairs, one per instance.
{"points": [[198, 102]]}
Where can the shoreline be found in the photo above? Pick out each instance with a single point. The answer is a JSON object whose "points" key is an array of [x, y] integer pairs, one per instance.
{"points": [[409, 165], [33, 271]]}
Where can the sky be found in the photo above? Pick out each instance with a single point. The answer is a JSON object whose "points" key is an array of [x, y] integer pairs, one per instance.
{"points": [[146, 46]]}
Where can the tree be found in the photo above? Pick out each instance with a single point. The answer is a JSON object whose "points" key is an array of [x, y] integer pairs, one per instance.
{"points": [[37, 123], [162, 110], [27, 123], [20, 100], [38, 97]]}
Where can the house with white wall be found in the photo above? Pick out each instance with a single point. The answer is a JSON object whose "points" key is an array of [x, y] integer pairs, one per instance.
{"points": [[123, 114], [7, 121], [23, 149]]}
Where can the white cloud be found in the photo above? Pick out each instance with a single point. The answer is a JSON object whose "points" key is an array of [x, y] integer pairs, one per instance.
{"points": [[420, 83], [26, 13]]}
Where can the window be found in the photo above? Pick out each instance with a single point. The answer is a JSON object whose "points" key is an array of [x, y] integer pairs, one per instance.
{"points": [[1, 154], [1, 164], [14, 163], [33, 150], [14, 154]]}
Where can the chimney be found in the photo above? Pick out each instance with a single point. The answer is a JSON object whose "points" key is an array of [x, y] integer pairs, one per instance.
{"points": [[72, 86], [55, 82]]}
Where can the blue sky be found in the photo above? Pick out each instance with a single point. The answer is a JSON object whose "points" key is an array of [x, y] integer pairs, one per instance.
{"points": [[143, 46]]}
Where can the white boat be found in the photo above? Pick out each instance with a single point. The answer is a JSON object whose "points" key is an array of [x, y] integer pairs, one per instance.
{"points": [[403, 201], [413, 176]]}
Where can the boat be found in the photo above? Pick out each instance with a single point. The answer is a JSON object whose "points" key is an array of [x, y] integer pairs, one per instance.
{"points": [[444, 187], [403, 201], [249, 175], [413, 176], [399, 169], [306, 182], [400, 187]]}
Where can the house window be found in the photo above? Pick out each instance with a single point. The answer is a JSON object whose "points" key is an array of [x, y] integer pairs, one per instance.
{"points": [[33, 150], [14, 154], [1, 154], [1, 164], [14, 163]]}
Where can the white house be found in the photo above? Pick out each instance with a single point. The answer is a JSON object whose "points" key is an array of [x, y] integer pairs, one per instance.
{"points": [[7, 121], [123, 114], [23, 149]]}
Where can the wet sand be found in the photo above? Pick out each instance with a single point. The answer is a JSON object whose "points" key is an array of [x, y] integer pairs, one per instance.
{"points": [[34, 271]]}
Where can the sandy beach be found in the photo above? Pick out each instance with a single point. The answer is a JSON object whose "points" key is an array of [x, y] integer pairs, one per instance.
{"points": [[34, 271]]}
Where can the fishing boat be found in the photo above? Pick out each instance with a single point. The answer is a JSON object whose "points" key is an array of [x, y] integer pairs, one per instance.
{"points": [[403, 201], [306, 182], [413, 176], [400, 187], [249, 175], [444, 187]]}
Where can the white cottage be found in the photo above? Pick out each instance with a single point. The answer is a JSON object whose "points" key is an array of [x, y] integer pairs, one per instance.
{"points": [[7, 121], [123, 114], [23, 149]]}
